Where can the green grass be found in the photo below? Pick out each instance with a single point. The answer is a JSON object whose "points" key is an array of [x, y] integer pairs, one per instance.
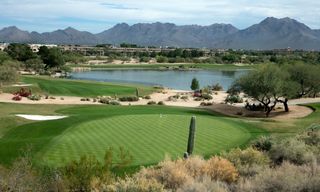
{"points": [[163, 65], [65, 87], [139, 129]]}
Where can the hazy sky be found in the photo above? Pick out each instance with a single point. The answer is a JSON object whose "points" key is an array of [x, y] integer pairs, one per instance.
{"points": [[99, 15]]}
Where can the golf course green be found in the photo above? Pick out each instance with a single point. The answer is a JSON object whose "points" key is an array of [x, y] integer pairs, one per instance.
{"points": [[149, 133]]}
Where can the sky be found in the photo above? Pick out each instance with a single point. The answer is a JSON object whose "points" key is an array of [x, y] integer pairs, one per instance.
{"points": [[98, 15]]}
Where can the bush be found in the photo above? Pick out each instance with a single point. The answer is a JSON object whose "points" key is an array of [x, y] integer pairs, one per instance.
{"points": [[204, 184], [248, 162], [198, 99], [129, 99], [152, 103], [263, 143], [114, 103], [17, 98], [233, 99], [291, 150], [185, 97], [35, 97], [147, 97], [161, 103], [23, 92], [220, 169], [176, 96], [206, 97], [217, 87], [206, 104], [287, 177], [311, 136], [135, 185], [104, 100]]}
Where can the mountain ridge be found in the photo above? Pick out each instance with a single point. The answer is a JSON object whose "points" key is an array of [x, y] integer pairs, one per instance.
{"points": [[271, 33]]}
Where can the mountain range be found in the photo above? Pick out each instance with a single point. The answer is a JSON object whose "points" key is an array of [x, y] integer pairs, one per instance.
{"points": [[271, 33]]}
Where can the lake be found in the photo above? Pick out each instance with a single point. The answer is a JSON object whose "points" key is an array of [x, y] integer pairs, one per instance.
{"points": [[174, 79]]}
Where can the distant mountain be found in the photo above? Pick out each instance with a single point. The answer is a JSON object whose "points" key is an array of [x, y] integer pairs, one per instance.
{"points": [[271, 33], [166, 34], [13, 34]]}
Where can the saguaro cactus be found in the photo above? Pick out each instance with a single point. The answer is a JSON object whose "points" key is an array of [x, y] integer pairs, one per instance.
{"points": [[137, 92], [192, 131]]}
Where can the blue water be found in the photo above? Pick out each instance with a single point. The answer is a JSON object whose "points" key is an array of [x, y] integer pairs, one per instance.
{"points": [[173, 79]]}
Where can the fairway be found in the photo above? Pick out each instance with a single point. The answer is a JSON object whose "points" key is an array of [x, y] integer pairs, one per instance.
{"points": [[65, 87], [149, 133]]}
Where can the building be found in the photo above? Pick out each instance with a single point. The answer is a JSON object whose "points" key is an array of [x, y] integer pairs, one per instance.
{"points": [[3, 46], [35, 47]]}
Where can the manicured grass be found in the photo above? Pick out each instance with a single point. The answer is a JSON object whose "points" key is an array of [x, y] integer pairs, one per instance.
{"points": [[65, 87], [139, 129]]}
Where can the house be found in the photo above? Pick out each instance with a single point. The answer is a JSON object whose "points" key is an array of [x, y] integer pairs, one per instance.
{"points": [[3, 46]]}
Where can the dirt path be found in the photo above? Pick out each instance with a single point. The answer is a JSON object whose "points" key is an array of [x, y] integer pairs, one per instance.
{"points": [[278, 114]]}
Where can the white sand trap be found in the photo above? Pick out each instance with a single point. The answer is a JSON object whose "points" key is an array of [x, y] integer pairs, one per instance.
{"points": [[40, 117], [21, 85]]}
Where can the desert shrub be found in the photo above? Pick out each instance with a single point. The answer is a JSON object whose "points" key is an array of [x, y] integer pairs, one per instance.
{"points": [[263, 143], [51, 97], [21, 176], [114, 103], [161, 103], [81, 174], [287, 177], [291, 150], [23, 92], [147, 97], [171, 98], [172, 174], [83, 99], [129, 99], [204, 184], [104, 100], [248, 162], [35, 97], [233, 99], [185, 97], [152, 103], [206, 97], [217, 87], [221, 169], [176, 96], [17, 98], [134, 185], [206, 104], [311, 136], [198, 99], [61, 98]]}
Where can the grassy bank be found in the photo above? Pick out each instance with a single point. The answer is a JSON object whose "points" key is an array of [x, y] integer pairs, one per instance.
{"points": [[80, 88], [167, 65]]}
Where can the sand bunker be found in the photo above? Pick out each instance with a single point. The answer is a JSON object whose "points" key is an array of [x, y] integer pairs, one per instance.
{"points": [[40, 117]]}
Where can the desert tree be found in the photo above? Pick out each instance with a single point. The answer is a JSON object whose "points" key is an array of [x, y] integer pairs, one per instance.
{"points": [[266, 85]]}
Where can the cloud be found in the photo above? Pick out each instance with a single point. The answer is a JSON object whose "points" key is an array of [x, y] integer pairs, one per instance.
{"points": [[97, 15]]}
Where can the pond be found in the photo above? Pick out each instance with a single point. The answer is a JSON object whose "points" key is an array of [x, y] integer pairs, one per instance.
{"points": [[175, 79]]}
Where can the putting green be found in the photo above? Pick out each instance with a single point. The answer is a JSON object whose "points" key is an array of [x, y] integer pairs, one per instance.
{"points": [[149, 138]]}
